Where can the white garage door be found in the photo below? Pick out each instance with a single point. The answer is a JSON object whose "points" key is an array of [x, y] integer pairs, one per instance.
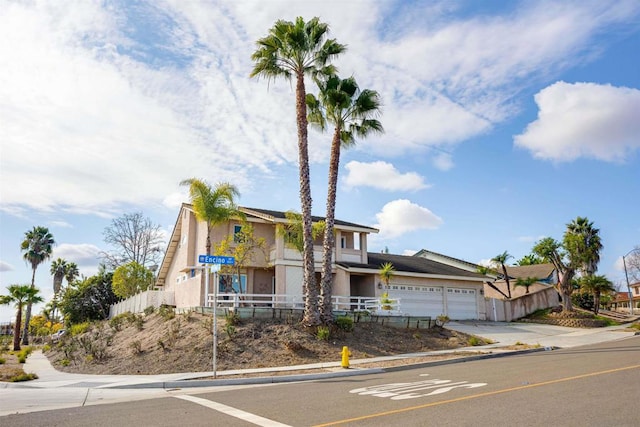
{"points": [[418, 300], [461, 304]]}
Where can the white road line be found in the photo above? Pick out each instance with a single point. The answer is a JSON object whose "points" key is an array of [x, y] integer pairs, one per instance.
{"points": [[237, 413]]}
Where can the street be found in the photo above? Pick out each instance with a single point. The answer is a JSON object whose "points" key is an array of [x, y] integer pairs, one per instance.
{"points": [[591, 385]]}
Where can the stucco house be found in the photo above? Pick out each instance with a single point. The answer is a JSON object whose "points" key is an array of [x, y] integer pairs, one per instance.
{"points": [[545, 274], [425, 287]]}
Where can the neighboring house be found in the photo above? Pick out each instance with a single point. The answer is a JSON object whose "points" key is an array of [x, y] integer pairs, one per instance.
{"points": [[545, 273], [622, 299], [425, 287]]}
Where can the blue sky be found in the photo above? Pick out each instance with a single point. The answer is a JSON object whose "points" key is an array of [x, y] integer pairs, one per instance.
{"points": [[504, 121]]}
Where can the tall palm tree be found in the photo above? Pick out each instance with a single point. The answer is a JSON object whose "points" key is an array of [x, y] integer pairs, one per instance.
{"points": [[583, 241], [501, 259], [71, 273], [293, 50], [58, 270], [19, 295], [386, 272], [36, 247], [214, 206], [351, 112], [596, 285]]}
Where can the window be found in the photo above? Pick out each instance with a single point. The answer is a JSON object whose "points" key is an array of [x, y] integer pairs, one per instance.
{"points": [[229, 283], [343, 242], [237, 235]]}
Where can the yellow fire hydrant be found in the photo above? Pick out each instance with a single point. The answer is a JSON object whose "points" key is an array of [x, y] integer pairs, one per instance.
{"points": [[345, 356]]}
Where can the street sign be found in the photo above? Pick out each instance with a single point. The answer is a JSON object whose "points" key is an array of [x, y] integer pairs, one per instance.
{"points": [[214, 259]]}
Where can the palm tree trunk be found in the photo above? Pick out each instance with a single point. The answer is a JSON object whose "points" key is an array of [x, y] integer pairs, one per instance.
{"points": [[16, 329], [311, 315], [27, 319], [326, 309], [506, 279]]}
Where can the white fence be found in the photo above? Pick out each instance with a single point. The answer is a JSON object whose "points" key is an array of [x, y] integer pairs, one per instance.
{"points": [[137, 303], [339, 303]]}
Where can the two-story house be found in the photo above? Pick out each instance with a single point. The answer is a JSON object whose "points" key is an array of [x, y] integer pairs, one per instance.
{"points": [[425, 287]]}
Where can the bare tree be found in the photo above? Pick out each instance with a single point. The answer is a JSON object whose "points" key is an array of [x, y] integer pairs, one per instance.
{"points": [[632, 262], [135, 239]]}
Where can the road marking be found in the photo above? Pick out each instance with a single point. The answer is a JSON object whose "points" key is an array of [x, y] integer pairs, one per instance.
{"points": [[402, 391], [236, 413], [475, 396]]}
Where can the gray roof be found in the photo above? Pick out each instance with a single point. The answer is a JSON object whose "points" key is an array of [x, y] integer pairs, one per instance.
{"points": [[411, 264], [282, 216]]}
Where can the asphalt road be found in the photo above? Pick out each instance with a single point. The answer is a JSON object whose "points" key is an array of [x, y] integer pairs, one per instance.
{"points": [[583, 386]]}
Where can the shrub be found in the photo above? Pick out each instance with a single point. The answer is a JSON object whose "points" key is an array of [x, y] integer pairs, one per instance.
{"points": [[474, 341], [232, 318], [65, 362], [149, 310], [442, 320], [22, 358], [23, 377], [345, 323], [46, 348], [117, 322], [79, 328], [166, 312], [230, 330], [136, 347], [323, 333], [3, 361]]}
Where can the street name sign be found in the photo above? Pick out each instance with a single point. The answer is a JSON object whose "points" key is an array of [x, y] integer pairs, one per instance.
{"points": [[215, 259]]}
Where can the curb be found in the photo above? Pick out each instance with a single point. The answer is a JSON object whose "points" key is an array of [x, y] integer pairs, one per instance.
{"points": [[179, 384]]}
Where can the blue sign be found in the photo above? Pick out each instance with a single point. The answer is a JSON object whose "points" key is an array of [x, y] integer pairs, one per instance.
{"points": [[214, 259]]}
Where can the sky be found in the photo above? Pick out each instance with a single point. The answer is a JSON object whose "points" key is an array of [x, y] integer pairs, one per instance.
{"points": [[504, 121]]}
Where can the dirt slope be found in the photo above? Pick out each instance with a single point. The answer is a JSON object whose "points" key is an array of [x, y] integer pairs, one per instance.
{"points": [[157, 344]]}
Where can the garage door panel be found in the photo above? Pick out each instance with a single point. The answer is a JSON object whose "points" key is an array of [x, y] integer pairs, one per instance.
{"points": [[418, 300], [461, 304]]}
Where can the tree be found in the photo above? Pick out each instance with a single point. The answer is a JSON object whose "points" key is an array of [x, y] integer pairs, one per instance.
{"points": [[71, 273], [19, 295], [579, 250], [293, 50], [135, 238], [526, 282], [632, 263], [351, 112], [386, 272], [37, 247], [89, 299], [582, 240], [131, 278], [214, 206], [596, 285], [292, 232], [58, 270], [489, 271], [243, 247], [501, 259], [530, 259]]}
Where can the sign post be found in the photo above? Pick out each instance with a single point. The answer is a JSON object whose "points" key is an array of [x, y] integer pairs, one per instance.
{"points": [[217, 262]]}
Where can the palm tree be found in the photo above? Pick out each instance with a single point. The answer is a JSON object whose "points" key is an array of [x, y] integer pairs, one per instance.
{"points": [[37, 247], [596, 285], [386, 272], [526, 282], [501, 259], [293, 50], [71, 273], [214, 206], [19, 295], [583, 241], [351, 112], [58, 270]]}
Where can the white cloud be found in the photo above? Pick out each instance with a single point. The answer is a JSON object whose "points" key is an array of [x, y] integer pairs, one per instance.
{"points": [[61, 224], [382, 175], [584, 120], [402, 216], [443, 161], [82, 254], [5, 266]]}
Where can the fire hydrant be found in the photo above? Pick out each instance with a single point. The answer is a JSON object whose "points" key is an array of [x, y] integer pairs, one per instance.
{"points": [[345, 356]]}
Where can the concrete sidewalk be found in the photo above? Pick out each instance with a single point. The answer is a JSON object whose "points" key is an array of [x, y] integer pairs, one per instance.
{"points": [[502, 334]]}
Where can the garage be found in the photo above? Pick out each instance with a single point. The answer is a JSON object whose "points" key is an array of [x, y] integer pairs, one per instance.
{"points": [[418, 300], [461, 303]]}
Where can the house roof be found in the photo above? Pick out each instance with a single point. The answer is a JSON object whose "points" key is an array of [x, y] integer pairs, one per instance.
{"points": [[539, 271], [447, 259], [412, 264], [279, 216]]}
